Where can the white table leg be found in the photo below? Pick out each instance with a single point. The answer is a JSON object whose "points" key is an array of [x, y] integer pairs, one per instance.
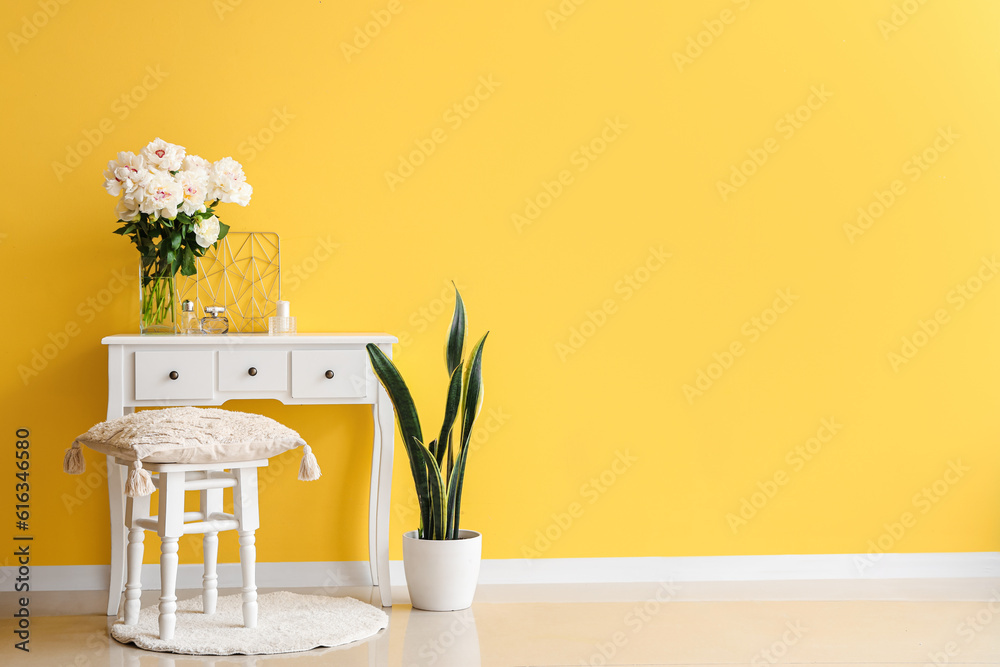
{"points": [[116, 504], [116, 483], [373, 497], [385, 417]]}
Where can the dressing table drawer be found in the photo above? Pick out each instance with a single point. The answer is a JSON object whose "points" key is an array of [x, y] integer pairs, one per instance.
{"points": [[258, 370], [177, 374], [329, 374]]}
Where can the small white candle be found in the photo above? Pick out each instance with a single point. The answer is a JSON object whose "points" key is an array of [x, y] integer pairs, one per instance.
{"points": [[283, 310]]}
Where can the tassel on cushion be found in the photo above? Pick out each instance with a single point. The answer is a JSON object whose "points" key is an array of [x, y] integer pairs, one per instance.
{"points": [[73, 462], [309, 469], [139, 483]]}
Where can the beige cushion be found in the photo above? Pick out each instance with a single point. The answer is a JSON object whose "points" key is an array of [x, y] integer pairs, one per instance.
{"points": [[191, 435]]}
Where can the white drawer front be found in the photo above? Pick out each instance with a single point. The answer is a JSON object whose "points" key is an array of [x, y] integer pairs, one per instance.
{"points": [[310, 369], [262, 370], [174, 375]]}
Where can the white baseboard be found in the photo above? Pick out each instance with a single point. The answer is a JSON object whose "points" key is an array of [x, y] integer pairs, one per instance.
{"points": [[335, 574]]}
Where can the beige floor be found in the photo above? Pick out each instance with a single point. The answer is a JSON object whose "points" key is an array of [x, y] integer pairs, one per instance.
{"points": [[648, 625]]}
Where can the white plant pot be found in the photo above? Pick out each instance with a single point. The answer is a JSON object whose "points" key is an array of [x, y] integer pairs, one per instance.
{"points": [[441, 575]]}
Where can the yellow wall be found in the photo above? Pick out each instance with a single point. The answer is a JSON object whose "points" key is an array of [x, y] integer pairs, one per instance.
{"points": [[665, 122]]}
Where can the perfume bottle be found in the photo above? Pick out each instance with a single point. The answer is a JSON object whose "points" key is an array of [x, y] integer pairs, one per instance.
{"points": [[189, 322], [215, 321], [282, 324]]}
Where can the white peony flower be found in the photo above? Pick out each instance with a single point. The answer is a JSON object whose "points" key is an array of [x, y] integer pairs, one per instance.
{"points": [[161, 155], [228, 183], [206, 231], [194, 189], [241, 196], [126, 173], [128, 207], [198, 164], [162, 196]]}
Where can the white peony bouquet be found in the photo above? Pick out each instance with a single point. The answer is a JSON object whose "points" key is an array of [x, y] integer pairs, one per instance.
{"points": [[166, 207]]}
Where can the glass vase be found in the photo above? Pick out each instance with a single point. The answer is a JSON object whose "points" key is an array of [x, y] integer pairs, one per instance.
{"points": [[158, 310]]}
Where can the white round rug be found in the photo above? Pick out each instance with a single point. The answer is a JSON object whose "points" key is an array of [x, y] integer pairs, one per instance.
{"points": [[286, 622]]}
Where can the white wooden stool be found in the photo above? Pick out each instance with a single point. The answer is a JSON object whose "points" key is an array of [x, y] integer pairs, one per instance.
{"points": [[171, 522]]}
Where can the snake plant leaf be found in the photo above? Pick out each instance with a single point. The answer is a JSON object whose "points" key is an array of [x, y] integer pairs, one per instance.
{"points": [[472, 399], [399, 393], [456, 481], [456, 334], [408, 420], [450, 413], [432, 446], [474, 392], [436, 528]]}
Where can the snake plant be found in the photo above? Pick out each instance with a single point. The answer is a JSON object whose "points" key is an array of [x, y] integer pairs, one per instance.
{"points": [[438, 466]]}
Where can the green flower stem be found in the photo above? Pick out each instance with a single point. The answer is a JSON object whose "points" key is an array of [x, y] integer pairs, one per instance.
{"points": [[158, 299]]}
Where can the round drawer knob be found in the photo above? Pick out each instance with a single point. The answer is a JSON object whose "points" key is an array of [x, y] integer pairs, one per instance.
{"points": [[329, 375], [252, 371], [174, 375]]}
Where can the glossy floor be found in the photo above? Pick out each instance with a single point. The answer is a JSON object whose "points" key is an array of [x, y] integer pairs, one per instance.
{"points": [[789, 623]]}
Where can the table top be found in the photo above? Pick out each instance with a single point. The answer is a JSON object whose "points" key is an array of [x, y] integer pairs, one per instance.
{"points": [[251, 339]]}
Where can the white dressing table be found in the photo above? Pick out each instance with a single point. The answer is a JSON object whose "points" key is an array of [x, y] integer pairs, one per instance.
{"points": [[301, 369]]}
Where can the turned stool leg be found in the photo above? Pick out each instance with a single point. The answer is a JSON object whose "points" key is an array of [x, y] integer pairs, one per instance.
{"points": [[170, 526], [248, 559], [211, 503], [168, 587], [135, 508], [245, 509], [133, 585], [210, 582]]}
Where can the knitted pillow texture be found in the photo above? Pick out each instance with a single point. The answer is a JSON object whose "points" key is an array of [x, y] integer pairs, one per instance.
{"points": [[188, 435]]}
